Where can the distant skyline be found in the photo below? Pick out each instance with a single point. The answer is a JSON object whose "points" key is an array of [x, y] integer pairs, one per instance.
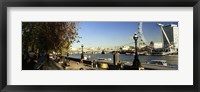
{"points": [[112, 34]]}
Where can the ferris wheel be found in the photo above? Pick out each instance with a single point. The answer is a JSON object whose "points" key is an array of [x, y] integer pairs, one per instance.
{"points": [[141, 40]]}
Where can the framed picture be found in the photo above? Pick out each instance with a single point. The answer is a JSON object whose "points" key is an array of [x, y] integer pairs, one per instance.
{"points": [[105, 45]]}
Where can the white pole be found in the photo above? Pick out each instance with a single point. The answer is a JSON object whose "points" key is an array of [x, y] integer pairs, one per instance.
{"points": [[161, 27]]}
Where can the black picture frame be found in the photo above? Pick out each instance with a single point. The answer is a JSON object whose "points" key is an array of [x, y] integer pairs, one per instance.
{"points": [[100, 3]]}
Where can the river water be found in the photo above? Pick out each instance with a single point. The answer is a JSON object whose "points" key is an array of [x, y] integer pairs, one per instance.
{"points": [[172, 60]]}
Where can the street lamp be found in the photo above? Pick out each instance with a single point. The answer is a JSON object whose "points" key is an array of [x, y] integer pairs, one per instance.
{"points": [[82, 52], [136, 61]]}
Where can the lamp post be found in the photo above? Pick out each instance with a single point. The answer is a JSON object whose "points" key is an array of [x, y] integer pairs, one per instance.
{"points": [[136, 61], [82, 52]]}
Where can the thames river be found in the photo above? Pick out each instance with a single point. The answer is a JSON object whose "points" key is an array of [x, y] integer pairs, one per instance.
{"points": [[171, 60]]}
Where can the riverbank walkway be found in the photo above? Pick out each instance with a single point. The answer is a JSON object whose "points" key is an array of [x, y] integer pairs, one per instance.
{"points": [[75, 64]]}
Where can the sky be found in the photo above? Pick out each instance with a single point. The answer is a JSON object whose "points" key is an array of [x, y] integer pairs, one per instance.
{"points": [[112, 34]]}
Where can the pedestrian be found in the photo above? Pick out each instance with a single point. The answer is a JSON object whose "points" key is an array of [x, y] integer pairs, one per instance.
{"points": [[41, 60], [81, 61], [92, 63], [47, 56]]}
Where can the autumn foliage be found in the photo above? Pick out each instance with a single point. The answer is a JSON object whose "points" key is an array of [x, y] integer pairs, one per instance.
{"points": [[48, 36]]}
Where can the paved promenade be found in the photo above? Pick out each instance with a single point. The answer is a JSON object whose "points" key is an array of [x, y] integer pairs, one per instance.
{"points": [[51, 65], [74, 65], [78, 66]]}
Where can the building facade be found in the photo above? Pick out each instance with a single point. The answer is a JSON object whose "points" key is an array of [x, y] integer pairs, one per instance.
{"points": [[171, 32]]}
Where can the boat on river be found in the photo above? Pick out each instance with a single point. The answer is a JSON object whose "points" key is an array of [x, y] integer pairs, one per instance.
{"points": [[158, 62], [104, 60]]}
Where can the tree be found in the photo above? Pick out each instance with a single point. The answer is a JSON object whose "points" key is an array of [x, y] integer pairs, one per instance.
{"points": [[152, 44], [48, 36]]}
